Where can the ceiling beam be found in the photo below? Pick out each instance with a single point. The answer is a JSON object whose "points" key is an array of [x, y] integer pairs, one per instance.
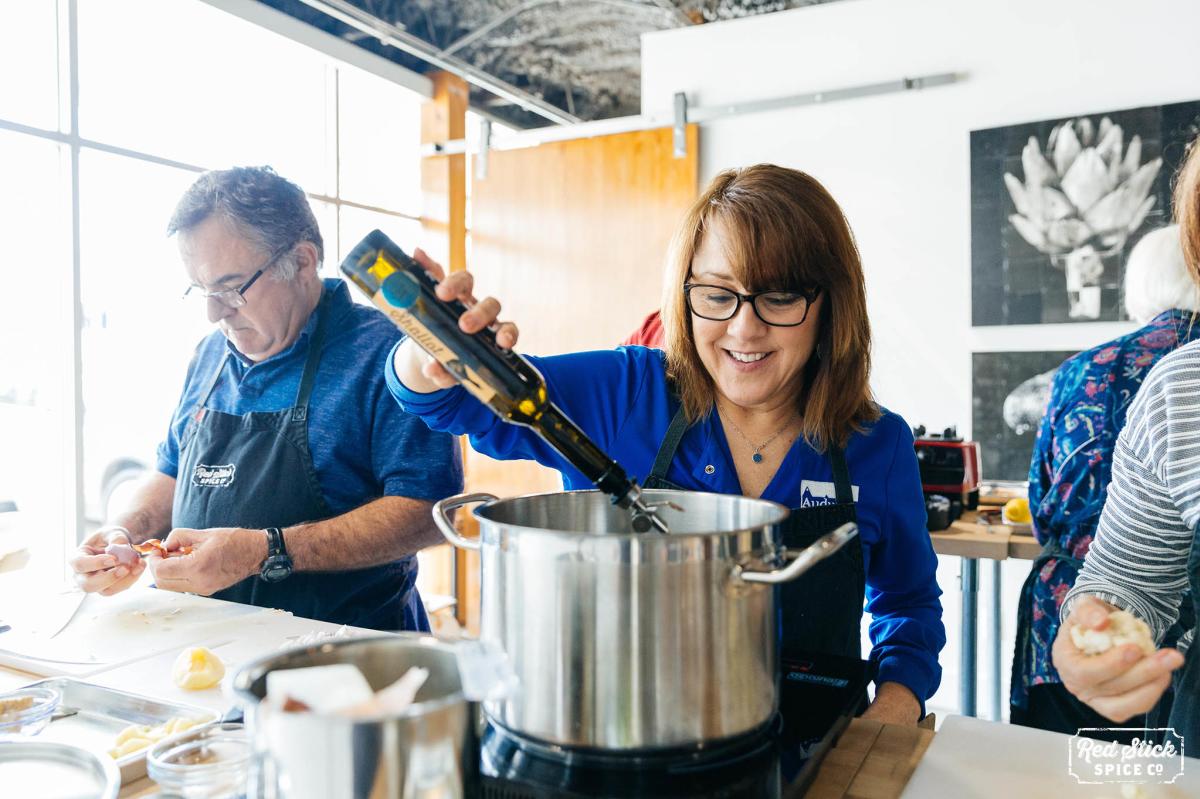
{"points": [[334, 46], [395, 36]]}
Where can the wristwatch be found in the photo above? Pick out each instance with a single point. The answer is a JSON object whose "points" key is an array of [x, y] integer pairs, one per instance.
{"points": [[278, 565]]}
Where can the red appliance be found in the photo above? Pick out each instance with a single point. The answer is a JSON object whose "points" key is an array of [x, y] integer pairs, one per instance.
{"points": [[949, 466]]}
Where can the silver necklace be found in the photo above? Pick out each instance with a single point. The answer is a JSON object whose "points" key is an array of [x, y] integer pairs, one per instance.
{"points": [[757, 456]]}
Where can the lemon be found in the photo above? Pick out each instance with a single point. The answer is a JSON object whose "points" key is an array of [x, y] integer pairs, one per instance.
{"points": [[1017, 511]]}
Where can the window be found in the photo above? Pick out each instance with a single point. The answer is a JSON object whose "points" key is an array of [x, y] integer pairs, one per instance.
{"points": [[29, 64], [36, 400], [379, 136], [167, 88], [186, 81]]}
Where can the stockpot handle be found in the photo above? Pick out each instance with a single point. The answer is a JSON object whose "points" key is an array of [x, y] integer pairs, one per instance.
{"points": [[442, 519], [804, 560]]}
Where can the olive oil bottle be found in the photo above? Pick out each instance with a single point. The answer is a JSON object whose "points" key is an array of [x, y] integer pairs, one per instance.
{"points": [[501, 379]]}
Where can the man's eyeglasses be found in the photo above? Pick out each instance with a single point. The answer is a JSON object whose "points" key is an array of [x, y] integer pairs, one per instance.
{"points": [[776, 308], [234, 298]]}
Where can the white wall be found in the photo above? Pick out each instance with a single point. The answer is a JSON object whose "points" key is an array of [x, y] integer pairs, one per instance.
{"points": [[899, 164]]}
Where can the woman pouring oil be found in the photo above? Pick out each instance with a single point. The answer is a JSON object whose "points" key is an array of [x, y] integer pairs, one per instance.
{"points": [[761, 390]]}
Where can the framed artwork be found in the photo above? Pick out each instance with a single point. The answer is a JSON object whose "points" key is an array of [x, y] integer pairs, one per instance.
{"points": [[1009, 391], [1056, 206]]}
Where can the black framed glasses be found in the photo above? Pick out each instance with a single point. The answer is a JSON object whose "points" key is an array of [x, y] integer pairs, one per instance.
{"points": [[775, 308], [235, 298]]}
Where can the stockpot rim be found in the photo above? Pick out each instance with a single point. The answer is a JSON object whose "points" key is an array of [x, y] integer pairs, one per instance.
{"points": [[782, 510], [255, 670]]}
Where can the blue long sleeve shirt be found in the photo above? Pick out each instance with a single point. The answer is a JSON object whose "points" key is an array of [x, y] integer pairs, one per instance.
{"points": [[621, 399]]}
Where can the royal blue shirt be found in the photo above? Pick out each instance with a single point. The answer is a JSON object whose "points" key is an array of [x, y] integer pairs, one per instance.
{"points": [[363, 445], [621, 399]]}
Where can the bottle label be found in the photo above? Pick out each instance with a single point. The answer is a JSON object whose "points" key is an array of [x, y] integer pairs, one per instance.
{"points": [[417, 331]]}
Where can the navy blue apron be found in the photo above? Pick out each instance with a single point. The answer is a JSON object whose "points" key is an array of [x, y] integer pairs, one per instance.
{"points": [[1185, 712], [256, 471], [822, 610]]}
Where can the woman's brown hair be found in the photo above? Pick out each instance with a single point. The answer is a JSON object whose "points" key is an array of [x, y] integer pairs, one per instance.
{"points": [[784, 231], [1187, 209]]}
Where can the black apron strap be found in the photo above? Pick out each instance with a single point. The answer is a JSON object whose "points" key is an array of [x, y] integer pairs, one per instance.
{"points": [[841, 476], [212, 383], [666, 450], [300, 409]]}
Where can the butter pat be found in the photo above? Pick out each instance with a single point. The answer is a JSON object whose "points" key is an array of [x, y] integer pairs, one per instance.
{"points": [[324, 689], [197, 668]]}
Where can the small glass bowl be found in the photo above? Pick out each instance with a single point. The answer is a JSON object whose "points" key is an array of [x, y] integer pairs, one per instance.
{"points": [[209, 762], [32, 719]]}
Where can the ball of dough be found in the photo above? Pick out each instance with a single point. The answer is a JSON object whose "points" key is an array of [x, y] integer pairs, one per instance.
{"points": [[1123, 628], [197, 668]]}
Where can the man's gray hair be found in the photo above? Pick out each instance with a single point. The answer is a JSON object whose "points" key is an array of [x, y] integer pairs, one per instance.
{"points": [[262, 207], [1156, 277]]}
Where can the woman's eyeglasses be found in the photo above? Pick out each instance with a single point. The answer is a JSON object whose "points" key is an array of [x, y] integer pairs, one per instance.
{"points": [[776, 308]]}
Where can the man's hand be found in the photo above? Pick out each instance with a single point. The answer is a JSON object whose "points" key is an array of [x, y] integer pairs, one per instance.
{"points": [[1118, 684], [220, 557], [97, 572], [894, 704]]}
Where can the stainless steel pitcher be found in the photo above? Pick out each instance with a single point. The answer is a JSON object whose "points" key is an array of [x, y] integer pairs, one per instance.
{"points": [[628, 641], [427, 751]]}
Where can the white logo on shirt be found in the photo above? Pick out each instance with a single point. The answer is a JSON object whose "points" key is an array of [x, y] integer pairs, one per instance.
{"points": [[213, 476], [814, 493]]}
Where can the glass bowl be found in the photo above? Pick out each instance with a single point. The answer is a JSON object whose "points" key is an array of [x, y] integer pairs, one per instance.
{"points": [[209, 762], [32, 719]]}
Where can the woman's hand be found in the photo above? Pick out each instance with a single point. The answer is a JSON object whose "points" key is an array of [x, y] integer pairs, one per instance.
{"points": [[1118, 684], [418, 370], [894, 704]]}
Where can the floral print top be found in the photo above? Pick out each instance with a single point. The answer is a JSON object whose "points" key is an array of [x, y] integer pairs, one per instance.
{"points": [[1072, 467]]}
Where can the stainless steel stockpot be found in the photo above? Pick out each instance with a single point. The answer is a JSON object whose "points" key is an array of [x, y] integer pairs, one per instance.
{"points": [[623, 640]]}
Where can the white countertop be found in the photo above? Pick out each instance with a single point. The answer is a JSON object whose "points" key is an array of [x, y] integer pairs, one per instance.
{"points": [[133, 638]]}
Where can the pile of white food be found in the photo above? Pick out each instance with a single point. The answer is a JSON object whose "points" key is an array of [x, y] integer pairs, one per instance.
{"points": [[139, 736], [1123, 628], [321, 636]]}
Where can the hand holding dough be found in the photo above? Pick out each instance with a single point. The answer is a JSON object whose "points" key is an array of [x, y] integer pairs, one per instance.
{"points": [[197, 668], [1123, 628]]}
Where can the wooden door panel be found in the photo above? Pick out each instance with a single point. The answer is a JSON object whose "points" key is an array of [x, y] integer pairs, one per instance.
{"points": [[571, 237]]}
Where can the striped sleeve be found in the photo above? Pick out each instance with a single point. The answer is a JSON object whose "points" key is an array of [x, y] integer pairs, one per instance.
{"points": [[1139, 558]]}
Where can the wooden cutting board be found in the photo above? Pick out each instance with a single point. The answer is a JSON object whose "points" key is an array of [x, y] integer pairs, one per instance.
{"points": [[107, 631], [975, 759]]}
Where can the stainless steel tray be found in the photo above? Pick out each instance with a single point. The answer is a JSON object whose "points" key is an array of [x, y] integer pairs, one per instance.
{"points": [[101, 713], [56, 771]]}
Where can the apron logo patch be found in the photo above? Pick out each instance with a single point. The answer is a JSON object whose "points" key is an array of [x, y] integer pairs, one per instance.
{"points": [[213, 476], [814, 493]]}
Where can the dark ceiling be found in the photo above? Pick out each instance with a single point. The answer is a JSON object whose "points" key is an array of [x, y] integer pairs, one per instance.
{"points": [[580, 56]]}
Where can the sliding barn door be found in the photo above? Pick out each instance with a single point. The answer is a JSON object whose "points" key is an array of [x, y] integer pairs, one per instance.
{"points": [[571, 237]]}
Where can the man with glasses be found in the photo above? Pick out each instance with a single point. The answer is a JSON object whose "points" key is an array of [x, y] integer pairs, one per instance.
{"points": [[288, 474]]}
